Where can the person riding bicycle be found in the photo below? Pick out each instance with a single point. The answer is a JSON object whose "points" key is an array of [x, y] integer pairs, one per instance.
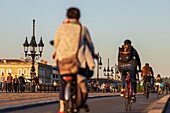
{"points": [[146, 74], [158, 81], [128, 59], [166, 87], [74, 38]]}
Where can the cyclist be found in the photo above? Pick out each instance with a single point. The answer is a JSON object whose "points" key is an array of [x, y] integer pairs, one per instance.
{"points": [[65, 45], [158, 82], [128, 58], [166, 87], [146, 74]]}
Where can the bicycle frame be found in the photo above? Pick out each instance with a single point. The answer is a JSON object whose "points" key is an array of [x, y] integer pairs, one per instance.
{"points": [[128, 92]]}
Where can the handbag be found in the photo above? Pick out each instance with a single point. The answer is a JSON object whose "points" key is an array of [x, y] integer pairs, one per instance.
{"points": [[70, 65]]}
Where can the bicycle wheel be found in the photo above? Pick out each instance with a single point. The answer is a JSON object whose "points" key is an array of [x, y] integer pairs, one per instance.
{"points": [[70, 102], [130, 97], [147, 91], [67, 96], [157, 90], [128, 104]]}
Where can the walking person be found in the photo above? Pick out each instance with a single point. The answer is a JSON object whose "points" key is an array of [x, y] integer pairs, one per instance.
{"points": [[2, 82], [35, 82], [22, 83], [9, 82], [73, 38], [15, 83], [55, 85]]}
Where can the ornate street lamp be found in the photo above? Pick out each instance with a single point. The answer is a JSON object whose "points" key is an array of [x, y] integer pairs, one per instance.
{"points": [[115, 67], [109, 71], [99, 64], [33, 49]]}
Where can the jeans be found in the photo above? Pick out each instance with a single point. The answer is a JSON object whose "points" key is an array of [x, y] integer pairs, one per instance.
{"points": [[133, 71]]}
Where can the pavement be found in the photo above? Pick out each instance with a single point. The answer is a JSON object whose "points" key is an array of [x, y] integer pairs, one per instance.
{"points": [[18, 100]]}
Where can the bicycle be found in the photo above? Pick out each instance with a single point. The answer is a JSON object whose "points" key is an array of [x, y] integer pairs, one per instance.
{"points": [[128, 92], [147, 87], [70, 94]]}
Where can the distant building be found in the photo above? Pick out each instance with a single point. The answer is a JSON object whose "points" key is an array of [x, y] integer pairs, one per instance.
{"points": [[19, 66]]}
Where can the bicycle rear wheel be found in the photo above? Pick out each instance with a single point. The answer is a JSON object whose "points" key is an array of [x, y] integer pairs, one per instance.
{"points": [[128, 104], [70, 96], [157, 88], [128, 98], [147, 91]]}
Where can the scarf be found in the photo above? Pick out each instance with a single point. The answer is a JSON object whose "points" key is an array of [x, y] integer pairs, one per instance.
{"points": [[72, 21]]}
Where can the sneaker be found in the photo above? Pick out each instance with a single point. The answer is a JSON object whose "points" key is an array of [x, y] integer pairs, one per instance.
{"points": [[133, 98], [122, 94]]}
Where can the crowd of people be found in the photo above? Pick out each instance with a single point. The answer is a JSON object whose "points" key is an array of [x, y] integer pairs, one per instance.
{"points": [[104, 87], [12, 84], [17, 84]]}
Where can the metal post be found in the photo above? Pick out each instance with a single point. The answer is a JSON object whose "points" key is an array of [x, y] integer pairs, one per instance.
{"points": [[98, 69]]}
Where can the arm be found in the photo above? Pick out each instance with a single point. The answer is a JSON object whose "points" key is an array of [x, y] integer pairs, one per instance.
{"points": [[56, 41], [151, 70], [88, 40], [137, 59]]}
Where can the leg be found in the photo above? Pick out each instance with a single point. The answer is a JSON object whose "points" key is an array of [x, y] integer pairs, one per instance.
{"points": [[123, 83], [123, 80], [61, 95]]}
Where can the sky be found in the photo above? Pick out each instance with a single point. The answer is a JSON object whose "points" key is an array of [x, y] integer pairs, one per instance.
{"points": [[110, 22]]}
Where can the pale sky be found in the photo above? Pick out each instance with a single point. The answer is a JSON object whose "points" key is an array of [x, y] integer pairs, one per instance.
{"points": [[110, 22]]}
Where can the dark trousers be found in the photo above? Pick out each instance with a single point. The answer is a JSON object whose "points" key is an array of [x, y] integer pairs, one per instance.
{"points": [[15, 87], [9, 86]]}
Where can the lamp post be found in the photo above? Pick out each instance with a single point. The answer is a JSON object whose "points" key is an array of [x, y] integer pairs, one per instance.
{"points": [[99, 64], [115, 70], [109, 71], [33, 49]]}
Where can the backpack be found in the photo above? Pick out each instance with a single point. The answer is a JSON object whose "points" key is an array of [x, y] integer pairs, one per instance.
{"points": [[125, 57]]}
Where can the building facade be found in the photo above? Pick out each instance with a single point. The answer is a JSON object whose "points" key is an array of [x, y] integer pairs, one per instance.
{"points": [[18, 67]]}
